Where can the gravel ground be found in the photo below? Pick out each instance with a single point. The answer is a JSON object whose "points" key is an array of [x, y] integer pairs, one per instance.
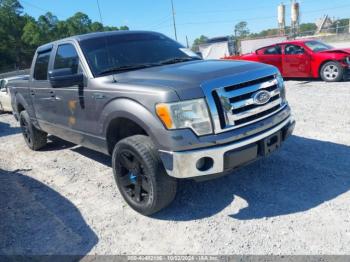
{"points": [[63, 199]]}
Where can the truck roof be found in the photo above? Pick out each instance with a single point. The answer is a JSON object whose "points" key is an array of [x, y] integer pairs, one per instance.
{"points": [[93, 35]]}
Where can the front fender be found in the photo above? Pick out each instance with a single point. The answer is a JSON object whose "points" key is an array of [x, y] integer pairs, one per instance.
{"points": [[134, 111]]}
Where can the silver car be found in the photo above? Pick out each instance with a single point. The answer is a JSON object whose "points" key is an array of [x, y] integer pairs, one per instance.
{"points": [[5, 96]]}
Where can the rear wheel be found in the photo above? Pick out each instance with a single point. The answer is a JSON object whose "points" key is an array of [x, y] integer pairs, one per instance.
{"points": [[34, 138], [332, 72], [140, 175]]}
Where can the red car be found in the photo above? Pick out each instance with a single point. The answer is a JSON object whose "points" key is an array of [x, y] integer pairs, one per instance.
{"points": [[304, 58]]}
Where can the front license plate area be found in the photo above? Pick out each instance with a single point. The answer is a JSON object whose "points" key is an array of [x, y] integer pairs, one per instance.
{"points": [[271, 143]]}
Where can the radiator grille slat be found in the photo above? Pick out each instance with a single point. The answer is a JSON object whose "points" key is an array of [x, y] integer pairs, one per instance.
{"points": [[237, 107]]}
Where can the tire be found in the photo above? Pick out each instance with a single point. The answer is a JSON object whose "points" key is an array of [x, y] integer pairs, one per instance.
{"points": [[332, 72], [140, 175], [34, 138]]}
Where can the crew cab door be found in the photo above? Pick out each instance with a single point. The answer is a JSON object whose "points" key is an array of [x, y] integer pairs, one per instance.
{"points": [[43, 96], [75, 105], [296, 61], [271, 55]]}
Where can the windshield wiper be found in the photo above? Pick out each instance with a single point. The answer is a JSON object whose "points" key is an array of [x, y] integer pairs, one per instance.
{"points": [[140, 66], [124, 68], [177, 60]]}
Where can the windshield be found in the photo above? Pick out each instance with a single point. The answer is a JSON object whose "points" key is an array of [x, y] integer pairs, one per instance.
{"points": [[117, 53], [317, 46]]}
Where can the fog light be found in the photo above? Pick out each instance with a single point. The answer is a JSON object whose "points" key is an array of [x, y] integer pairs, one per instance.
{"points": [[204, 164]]}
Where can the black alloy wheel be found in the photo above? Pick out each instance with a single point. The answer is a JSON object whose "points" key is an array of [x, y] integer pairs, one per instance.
{"points": [[133, 178]]}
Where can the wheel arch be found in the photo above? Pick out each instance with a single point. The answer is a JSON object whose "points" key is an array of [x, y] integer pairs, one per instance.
{"points": [[20, 103], [132, 117], [120, 128]]}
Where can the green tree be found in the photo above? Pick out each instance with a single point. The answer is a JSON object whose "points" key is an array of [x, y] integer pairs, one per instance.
{"points": [[21, 34], [124, 27], [31, 34], [198, 41], [241, 30], [110, 28], [307, 28], [11, 24], [266, 33], [62, 30], [96, 27], [78, 24]]}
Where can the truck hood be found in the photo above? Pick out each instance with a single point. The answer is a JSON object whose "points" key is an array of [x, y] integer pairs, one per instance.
{"points": [[337, 50], [187, 78]]}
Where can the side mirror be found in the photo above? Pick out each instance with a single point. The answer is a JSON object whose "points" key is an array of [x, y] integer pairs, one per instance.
{"points": [[65, 77]]}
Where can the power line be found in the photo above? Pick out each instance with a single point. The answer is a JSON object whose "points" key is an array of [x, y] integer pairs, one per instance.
{"points": [[37, 7], [225, 10], [256, 18], [99, 11], [162, 21], [233, 10]]}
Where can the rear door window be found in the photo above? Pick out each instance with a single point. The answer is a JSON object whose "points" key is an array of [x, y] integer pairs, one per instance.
{"points": [[67, 57], [293, 50], [42, 65], [273, 50]]}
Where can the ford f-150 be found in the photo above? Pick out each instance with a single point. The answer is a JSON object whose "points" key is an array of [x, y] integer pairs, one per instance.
{"points": [[159, 110]]}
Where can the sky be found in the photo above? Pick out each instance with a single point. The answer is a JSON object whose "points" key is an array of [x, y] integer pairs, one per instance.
{"points": [[193, 17]]}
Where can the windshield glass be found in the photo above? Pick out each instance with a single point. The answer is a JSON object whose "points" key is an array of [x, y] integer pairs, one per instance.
{"points": [[317, 46], [113, 53]]}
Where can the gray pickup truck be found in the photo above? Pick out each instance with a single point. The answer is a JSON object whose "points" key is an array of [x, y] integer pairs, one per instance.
{"points": [[159, 110]]}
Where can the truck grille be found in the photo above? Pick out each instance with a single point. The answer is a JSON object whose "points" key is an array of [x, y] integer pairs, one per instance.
{"points": [[237, 104]]}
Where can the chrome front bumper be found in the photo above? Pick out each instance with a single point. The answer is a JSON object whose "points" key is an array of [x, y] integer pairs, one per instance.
{"points": [[184, 164]]}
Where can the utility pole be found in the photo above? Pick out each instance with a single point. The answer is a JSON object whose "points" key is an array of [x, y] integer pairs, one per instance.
{"points": [[172, 8], [337, 27], [188, 46]]}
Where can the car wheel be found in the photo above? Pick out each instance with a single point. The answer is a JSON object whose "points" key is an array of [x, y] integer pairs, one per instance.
{"points": [[34, 138], [140, 175], [332, 72]]}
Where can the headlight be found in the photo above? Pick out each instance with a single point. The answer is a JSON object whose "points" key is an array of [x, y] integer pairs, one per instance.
{"points": [[282, 87], [191, 114]]}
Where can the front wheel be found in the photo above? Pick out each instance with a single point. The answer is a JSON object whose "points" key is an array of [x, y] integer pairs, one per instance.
{"points": [[140, 175], [332, 72]]}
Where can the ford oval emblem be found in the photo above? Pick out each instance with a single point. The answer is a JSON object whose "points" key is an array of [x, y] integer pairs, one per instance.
{"points": [[261, 97]]}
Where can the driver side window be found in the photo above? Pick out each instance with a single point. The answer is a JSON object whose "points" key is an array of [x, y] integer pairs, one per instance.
{"points": [[293, 50], [67, 57]]}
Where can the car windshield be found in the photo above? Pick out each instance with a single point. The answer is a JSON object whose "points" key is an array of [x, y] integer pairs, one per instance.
{"points": [[122, 52], [317, 46]]}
